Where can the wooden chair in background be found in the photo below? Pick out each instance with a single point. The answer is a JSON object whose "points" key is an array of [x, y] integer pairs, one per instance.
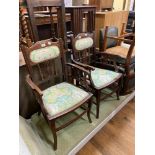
{"points": [[48, 80], [121, 51], [84, 55], [55, 10]]}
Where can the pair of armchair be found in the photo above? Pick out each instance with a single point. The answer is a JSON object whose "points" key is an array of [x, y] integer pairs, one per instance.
{"points": [[59, 94]]}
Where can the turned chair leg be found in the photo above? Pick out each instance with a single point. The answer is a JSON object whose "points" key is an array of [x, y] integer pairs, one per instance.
{"points": [[89, 110], [118, 89], [125, 85], [53, 128], [117, 93], [98, 104], [118, 86]]}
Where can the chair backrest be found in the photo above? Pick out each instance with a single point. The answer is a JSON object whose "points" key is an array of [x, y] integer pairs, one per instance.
{"points": [[84, 47], [54, 8], [112, 31], [45, 62]]}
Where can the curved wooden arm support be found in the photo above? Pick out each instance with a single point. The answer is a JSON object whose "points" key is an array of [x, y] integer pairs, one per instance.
{"points": [[33, 85], [120, 39], [84, 65], [78, 67], [126, 35]]}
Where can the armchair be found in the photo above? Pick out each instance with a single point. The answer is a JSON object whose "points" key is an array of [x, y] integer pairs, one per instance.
{"points": [[48, 80], [84, 55], [123, 55]]}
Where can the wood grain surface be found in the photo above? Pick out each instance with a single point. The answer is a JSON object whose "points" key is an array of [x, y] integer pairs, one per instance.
{"points": [[117, 137]]}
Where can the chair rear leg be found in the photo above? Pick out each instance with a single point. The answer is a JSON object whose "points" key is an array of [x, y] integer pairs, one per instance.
{"points": [[53, 128], [118, 90], [89, 110], [125, 85], [98, 95]]}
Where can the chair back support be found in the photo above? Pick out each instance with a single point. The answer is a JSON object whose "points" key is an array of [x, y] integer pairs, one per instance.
{"points": [[45, 62], [83, 47], [128, 62], [112, 31], [53, 8]]}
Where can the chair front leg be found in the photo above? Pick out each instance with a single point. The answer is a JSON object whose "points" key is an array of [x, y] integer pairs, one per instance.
{"points": [[98, 96], [120, 83], [89, 110], [53, 128]]}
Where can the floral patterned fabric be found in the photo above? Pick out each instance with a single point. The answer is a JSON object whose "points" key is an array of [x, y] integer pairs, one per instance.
{"points": [[45, 53], [62, 97], [83, 43], [102, 77]]}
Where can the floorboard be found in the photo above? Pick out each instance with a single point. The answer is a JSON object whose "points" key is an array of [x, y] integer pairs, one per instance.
{"points": [[115, 138]]}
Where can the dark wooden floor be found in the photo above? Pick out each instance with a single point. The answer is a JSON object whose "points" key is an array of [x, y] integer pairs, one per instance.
{"points": [[115, 138]]}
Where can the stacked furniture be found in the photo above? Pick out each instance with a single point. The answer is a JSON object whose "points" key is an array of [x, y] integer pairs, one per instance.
{"points": [[121, 55], [109, 18]]}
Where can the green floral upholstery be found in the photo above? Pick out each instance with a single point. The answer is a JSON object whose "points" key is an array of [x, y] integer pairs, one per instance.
{"points": [[45, 53], [103, 77], [62, 97], [83, 43]]}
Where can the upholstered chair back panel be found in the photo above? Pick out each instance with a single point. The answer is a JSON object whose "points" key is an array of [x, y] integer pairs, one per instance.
{"points": [[47, 53], [83, 43], [46, 62], [112, 31]]}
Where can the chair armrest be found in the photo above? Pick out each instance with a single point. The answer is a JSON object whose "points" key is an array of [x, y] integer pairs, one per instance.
{"points": [[78, 67], [83, 65], [120, 39], [33, 85], [126, 35]]}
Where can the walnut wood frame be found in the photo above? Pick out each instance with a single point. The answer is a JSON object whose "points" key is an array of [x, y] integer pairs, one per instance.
{"points": [[127, 66], [86, 58], [47, 75]]}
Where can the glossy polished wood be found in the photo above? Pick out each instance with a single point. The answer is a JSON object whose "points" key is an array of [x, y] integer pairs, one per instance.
{"points": [[117, 137]]}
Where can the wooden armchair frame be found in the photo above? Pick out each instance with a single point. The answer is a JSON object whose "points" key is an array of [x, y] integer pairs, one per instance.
{"points": [[48, 71], [127, 68], [86, 58]]}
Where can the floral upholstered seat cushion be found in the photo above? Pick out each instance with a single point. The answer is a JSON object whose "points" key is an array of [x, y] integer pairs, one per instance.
{"points": [[61, 97], [102, 77]]}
